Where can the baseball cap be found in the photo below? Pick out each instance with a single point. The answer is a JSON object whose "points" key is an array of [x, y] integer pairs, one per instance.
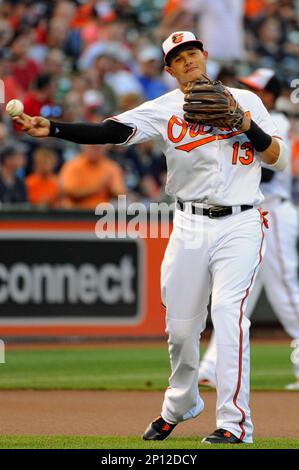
{"points": [[263, 79], [178, 39], [149, 53], [258, 79]]}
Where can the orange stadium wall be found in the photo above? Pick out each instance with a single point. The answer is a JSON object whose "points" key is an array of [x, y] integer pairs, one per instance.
{"points": [[57, 279]]}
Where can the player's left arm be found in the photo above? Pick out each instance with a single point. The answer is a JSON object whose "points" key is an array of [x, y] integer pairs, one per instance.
{"points": [[276, 155], [262, 132]]}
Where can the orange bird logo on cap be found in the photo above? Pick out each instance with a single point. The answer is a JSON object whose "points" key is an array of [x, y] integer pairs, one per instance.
{"points": [[177, 38]]}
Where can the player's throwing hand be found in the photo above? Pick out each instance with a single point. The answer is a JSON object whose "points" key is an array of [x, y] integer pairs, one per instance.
{"points": [[36, 126]]}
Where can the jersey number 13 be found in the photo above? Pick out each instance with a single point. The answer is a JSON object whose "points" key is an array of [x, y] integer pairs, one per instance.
{"points": [[246, 157]]}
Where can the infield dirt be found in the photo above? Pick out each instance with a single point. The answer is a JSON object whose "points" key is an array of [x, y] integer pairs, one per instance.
{"points": [[117, 413]]}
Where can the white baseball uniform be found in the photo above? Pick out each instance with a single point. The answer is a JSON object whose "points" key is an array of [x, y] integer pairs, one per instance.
{"points": [[278, 274], [217, 256]]}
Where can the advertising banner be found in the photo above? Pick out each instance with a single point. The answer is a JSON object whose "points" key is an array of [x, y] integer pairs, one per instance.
{"points": [[57, 278], [70, 277]]}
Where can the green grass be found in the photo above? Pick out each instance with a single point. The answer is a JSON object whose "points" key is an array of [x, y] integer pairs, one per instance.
{"points": [[129, 368], [91, 442], [271, 367]]}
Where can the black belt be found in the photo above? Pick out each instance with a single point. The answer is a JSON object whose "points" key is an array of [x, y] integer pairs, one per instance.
{"points": [[212, 212]]}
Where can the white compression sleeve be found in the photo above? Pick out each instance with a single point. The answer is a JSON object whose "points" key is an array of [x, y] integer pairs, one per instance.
{"points": [[282, 160]]}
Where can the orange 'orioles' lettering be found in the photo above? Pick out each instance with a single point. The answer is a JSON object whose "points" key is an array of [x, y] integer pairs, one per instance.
{"points": [[178, 127], [182, 125], [197, 129]]}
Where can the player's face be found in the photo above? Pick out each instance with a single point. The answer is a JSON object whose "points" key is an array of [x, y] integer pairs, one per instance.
{"points": [[188, 65]]}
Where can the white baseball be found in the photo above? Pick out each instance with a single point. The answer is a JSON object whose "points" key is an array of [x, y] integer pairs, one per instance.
{"points": [[15, 108]]}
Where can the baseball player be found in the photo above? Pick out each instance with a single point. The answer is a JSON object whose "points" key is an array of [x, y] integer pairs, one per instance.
{"points": [[214, 152], [279, 270]]}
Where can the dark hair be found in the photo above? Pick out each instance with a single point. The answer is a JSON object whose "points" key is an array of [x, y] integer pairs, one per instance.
{"points": [[7, 152], [181, 47], [42, 81], [274, 86], [21, 31], [226, 71]]}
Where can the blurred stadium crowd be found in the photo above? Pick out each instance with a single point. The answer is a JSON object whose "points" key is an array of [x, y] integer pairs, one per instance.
{"points": [[76, 60]]}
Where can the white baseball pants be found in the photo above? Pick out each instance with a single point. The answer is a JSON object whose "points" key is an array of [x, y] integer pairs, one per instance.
{"points": [[220, 257], [278, 275]]}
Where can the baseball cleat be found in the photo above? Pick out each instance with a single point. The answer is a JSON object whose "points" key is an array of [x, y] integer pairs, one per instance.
{"points": [[158, 430], [293, 386], [221, 436]]}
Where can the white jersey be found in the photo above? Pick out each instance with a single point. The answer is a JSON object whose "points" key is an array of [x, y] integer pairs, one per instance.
{"points": [[204, 164], [281, 183]]}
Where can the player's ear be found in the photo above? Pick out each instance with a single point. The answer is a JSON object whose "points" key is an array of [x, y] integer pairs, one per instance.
{"points": [[169, 70], [206, 55]]}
